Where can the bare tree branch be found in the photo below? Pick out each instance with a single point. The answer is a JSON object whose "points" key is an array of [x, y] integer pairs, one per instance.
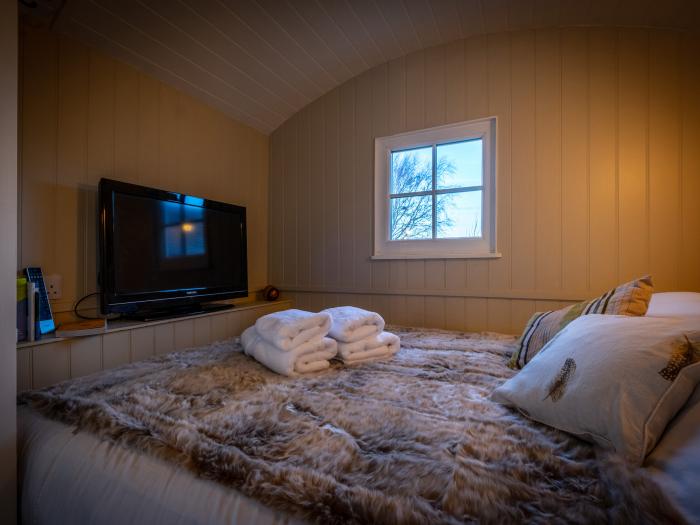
{"points": [[412, 217]]}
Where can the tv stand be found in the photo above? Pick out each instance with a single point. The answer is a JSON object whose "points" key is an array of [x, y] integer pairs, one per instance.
{"points": [[180, 311]]}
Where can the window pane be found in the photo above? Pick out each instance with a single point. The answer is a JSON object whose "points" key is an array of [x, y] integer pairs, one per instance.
{"points": [[171, 212], [193, 213], [412, 170], [411, 218], [193, 232], [173, 241], [459, 164], [459, 215]]}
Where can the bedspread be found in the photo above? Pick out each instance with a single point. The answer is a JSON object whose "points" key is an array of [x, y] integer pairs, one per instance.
{"points": [[412, 440]]}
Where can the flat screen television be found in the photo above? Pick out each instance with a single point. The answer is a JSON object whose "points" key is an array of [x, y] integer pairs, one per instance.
{"points": [[165, 253]]}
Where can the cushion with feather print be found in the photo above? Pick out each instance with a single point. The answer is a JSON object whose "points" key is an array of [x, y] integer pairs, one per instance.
{"points": [[631, 298], [613, 380]]}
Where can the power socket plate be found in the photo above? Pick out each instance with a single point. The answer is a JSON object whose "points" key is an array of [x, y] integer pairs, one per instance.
{"points": [[54, 286]]}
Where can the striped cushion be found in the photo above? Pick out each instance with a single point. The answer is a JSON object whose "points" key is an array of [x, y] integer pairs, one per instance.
{"points": [[628, 299]]}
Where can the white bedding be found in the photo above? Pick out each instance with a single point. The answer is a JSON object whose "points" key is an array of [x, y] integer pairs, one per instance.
{"points": [[76, 478], [675, 462]]}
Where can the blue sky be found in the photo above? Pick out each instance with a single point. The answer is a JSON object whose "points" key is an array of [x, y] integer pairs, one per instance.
{"points": [[463, 209]]}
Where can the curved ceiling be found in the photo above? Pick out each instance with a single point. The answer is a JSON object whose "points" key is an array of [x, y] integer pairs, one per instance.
{"points": [[260, 61]]}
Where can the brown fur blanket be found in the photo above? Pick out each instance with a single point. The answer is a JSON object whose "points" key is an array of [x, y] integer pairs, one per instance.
{"points": [[411, 440]]}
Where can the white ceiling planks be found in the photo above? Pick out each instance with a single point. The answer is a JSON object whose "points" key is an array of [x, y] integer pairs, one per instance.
{"points": [[260, 61]]}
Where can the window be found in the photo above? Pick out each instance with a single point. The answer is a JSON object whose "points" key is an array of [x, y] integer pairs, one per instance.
{"points": [[183, 230], [435, 193]]}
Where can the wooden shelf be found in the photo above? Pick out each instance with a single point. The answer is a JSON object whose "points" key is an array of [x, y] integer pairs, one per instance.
{"points": [[119, 325], [53, 359]]}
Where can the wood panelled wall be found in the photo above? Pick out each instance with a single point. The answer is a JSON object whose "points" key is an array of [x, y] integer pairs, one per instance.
{"points": [[8, 241], [85, 116], [598, 175]]}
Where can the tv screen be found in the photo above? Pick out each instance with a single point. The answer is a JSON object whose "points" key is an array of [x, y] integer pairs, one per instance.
{"points": [[161, 249]]}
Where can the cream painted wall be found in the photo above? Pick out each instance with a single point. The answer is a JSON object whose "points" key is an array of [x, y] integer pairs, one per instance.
{"points": [[87, 116], [598, 174], [8, 241]]}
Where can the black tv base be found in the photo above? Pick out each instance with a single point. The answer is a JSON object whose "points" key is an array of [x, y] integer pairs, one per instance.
{"points": [[180, 311]]}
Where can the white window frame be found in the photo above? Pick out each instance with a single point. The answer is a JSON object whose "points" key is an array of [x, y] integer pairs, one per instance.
{"points": [[459, 248]]}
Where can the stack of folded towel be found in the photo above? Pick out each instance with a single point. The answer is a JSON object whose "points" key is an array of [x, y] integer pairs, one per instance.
{"points": [[291, 342], [360, 335]]}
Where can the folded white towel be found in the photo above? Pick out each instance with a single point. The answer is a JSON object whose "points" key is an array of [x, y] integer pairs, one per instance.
{"points": [[288, 329], [372, 348], [310, 356], [350, 324]]}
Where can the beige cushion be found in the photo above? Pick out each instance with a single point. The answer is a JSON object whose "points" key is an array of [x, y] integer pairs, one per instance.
{"points": [[613, 380], [631, 298]]}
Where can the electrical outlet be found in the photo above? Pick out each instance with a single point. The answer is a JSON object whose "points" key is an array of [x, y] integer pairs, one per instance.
{"points": [[54, 286]]}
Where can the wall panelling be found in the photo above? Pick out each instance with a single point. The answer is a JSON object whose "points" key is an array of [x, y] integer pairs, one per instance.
{"points": [[598, 169]]}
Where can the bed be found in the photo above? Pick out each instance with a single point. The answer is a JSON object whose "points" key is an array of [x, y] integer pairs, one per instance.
{"points": [[208, 435]]}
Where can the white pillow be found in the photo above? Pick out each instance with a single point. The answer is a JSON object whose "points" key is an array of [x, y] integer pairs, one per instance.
{"points": [[674, 304], [613, 380], [675, 461]]}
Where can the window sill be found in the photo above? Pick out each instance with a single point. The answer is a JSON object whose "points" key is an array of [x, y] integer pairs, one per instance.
{"points": [[399, 256]]}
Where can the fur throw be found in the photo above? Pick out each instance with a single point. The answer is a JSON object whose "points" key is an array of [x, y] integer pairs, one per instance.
{"points": [[408, 441]]}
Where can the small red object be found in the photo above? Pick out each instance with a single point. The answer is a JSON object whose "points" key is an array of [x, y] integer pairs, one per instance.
{"points": [[270, 293]]}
